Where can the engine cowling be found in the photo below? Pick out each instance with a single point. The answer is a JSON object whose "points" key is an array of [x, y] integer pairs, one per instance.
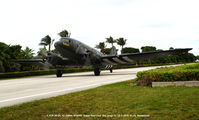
{"points": [[53, 59]]}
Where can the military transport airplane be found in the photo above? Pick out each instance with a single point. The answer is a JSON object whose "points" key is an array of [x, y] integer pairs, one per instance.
{"points": [[73, 53]]}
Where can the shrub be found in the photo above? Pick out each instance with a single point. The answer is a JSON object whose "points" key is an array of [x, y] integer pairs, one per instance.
{"points": [[179, 73]]}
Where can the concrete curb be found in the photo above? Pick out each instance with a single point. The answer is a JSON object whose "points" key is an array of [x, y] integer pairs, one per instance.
{"points": [[176, 83]]}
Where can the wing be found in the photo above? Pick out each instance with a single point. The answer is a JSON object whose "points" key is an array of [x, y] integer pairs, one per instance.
{"points": [[28, 60], [132, 57]]}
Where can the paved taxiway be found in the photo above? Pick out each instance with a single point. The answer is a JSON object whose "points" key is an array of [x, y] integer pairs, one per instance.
{"points": [[16, 91]]}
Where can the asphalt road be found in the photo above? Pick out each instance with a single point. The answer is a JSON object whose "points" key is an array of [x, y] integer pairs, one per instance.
{"points": [[16, 91]]}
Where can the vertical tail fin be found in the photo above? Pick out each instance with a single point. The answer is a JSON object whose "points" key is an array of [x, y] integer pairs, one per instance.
{"points": [[113, 51]]}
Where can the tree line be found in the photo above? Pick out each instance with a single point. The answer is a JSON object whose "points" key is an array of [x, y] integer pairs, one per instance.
{"points": [[9, 52], [12, 52]]}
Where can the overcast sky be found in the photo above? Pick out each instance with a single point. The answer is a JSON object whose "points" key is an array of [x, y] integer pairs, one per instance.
{"points": [[160, 23]]}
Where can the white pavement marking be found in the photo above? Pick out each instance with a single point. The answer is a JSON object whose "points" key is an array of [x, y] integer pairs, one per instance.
{"points": [[16, 91]]}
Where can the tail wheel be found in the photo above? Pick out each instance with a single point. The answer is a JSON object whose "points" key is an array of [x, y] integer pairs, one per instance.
{"points": [[59, 73], [97, 71], [111, 70]]}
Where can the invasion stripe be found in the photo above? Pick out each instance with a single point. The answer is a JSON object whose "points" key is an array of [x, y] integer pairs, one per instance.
{"points": [[108, 66]]}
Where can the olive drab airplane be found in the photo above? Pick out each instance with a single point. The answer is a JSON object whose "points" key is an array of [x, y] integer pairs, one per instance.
{"points": [[73, 53]]}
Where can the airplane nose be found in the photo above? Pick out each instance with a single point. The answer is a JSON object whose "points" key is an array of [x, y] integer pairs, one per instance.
{"points": [[62, 43]]}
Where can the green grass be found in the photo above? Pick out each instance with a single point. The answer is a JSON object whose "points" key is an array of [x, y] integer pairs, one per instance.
{"points": [[119, 98]]}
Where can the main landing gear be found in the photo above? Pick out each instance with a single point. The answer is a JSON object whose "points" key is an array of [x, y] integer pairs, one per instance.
{"points": [[97, 71], [59, 73]]}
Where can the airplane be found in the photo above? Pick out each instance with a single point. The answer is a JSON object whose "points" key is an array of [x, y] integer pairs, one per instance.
{"points": [[73, 53]]}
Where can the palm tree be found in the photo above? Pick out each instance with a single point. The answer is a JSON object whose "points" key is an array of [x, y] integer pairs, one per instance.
{"points": [[110, 40], [121, 42], [101, 46], [64, 33], [28, 53], [47, 41]]}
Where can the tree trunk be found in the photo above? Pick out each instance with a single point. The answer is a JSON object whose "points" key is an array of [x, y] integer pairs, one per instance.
{"points": [[49, 48]]}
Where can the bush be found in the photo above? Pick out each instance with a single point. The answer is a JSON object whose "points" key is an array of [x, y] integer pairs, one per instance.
{"points": [[130, 50], [179, 73]]}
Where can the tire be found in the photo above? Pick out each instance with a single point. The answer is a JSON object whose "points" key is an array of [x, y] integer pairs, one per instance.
{"points": [[111, 70], [97, 71], [59, 73]]}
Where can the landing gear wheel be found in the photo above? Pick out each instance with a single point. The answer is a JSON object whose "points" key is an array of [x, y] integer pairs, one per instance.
{"points": [[59, 73], [97, 71], [111, 70]]}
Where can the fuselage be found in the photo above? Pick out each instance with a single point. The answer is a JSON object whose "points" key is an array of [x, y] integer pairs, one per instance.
{"points": [[77, 52]]}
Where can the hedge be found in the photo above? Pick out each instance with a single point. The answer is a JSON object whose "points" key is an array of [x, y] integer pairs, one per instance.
{"points": [[53, 71], [40, 72], [179, 73]]}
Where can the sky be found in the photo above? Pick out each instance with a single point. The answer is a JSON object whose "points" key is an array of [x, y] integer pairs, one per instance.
{"points": [[160, 23]]}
